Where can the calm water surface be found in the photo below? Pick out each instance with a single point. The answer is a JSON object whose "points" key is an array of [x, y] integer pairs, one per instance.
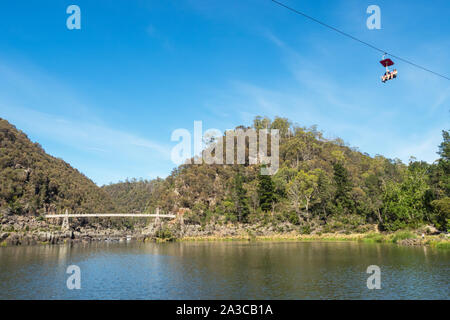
{"points": [[224, 270]]}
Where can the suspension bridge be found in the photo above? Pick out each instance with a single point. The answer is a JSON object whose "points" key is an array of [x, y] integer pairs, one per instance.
{"points": [[66, 216]]}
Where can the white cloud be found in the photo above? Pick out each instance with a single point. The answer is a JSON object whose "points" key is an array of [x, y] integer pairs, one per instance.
{"points": [[421, 147], [82, 135]]}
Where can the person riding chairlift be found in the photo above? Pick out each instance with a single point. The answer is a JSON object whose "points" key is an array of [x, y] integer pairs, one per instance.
{"points": [[389, 75], [394, 73]]}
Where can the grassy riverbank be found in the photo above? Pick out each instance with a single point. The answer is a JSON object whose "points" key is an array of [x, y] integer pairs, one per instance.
{"points": [[401, 238], [405, 238]]}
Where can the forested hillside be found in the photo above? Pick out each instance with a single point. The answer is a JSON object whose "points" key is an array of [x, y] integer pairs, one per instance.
{"points": [[321, 183], [33, 182], [132, 195]]}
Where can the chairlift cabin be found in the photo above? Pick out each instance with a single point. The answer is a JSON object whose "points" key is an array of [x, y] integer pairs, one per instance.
{"points": [[388, 75]]}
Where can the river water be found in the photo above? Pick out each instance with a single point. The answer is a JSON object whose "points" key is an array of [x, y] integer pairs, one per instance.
{"points": [[224, 270]]}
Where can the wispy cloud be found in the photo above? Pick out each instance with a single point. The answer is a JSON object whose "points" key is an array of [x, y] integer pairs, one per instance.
{"points": [[442, 99], [157, 35], [24, 82], [75, 127], [83, 135], [423, 147]]}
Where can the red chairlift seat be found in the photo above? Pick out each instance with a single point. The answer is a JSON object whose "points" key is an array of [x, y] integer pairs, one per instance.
{"points": [[387, 62]]}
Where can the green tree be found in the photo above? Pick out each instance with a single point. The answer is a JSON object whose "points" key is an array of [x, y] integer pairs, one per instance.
{"points": [[404, 203], [281, 179], [261, 123], [444, 147], [266, 192], [302, 190], [374, 199], [282, 124], [442, 213], [240, 198], [439, 174], [444, 163], [343, 184], [325, 193]]}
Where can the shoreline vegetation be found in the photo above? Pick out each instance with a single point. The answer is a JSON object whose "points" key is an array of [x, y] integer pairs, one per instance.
{"points": [[21, 230], [439, 242], [405, 238]]}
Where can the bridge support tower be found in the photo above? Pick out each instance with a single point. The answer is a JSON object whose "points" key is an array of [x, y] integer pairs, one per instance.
{"points": [[65, 223]]}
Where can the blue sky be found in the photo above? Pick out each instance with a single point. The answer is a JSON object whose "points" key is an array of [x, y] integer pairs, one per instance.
{"points": [[106, 98]]}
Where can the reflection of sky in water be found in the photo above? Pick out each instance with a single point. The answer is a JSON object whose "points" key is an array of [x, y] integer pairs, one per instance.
{"points": [[224, 270]]}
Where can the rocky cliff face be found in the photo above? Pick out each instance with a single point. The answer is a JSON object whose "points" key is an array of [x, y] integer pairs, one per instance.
{"points": [[29, 230]]}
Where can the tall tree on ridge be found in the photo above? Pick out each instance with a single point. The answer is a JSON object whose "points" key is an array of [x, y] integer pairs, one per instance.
{"points": [[266, 192], [240, 198]]}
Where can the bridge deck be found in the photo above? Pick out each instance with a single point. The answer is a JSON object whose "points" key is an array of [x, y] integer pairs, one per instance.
{"points": [[110, 215]]}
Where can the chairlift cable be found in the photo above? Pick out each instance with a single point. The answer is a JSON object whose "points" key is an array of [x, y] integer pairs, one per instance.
{"points": [[358, 40]]}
